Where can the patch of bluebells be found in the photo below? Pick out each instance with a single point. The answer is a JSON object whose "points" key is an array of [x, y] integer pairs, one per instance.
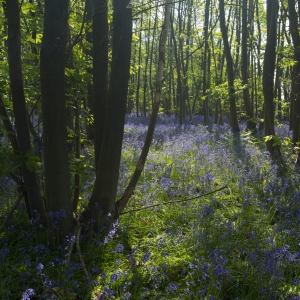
{"points": [[184, 161]]}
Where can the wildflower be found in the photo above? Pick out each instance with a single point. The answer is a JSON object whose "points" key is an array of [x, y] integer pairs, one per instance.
{"points": [[147, 256], [165, 182], [118, 249], [107, 294], [114, 277], [172, 288], [40, 267], [26, 295]]}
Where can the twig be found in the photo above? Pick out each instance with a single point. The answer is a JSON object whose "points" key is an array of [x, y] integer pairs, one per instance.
{"points": [[78, 229], [72, 243], [14, 207], [175, 201]]}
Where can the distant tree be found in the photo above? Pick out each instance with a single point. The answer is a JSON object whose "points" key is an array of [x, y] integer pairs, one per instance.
{"points": [[230, 72], [268, 79], [294, 30], [251, 125], [205, 63]]}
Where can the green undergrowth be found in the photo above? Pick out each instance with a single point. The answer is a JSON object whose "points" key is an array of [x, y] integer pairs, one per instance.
{"points": [[210, 219]]}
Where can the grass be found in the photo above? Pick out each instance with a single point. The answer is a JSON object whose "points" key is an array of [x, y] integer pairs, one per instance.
{"points": [[239, 243]]}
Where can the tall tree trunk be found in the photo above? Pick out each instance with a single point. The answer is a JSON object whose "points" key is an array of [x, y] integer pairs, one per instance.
{"points": [[52, 67], [89, 51], [294, 30], [179, 81], [100, 72], [33, 193], [268, 78], [137, 95], [205, 63], [245, 61], [142, 159], [102, 202], [230, 73]]}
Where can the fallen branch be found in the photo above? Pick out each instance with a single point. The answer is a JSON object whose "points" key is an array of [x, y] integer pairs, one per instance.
{"points": [[11, 212], [175, 201]]}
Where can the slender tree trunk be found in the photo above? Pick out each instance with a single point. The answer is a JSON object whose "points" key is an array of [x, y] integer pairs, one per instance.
{"points": [[137, 95], [268, 78], [230, 73], [52, 67], [179, 81], [245, 61], [151, 54], [33, 192], [89, 51], [205, 63], [77, 155], [142, 159], [294, 30], [100, 72]]}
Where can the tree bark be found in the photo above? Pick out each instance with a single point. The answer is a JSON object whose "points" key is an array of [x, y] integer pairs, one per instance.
{"points": [[120, 205], [205, 63], [57, 175], [100, 73], [268, 78], [33, 193], [294, 30], [230, 72], [101, 207], [246, 95]]}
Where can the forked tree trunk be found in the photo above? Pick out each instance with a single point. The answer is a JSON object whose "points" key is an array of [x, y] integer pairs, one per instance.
{"points": [[102, 202]]}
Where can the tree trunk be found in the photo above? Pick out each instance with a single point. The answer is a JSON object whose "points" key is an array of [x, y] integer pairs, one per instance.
{"points": [[33, 193], [137, 95], [205, 63], [57, 174], [102, 203], [245, 61], [294, 30], [268, 78], [230, 73], [179, 84], [142, 159], [100, 72]]}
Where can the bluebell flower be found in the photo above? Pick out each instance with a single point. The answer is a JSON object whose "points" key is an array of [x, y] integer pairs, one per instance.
{"points": [[40, 268], [119, 248], [147, 256], [26, 295], [171, 288]]}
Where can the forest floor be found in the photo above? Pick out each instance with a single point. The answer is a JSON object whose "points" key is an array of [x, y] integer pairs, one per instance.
{"points": [[211, 218]]}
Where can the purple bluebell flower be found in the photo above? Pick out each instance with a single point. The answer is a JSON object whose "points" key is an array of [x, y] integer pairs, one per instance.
{"points": [[26, 295]]}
